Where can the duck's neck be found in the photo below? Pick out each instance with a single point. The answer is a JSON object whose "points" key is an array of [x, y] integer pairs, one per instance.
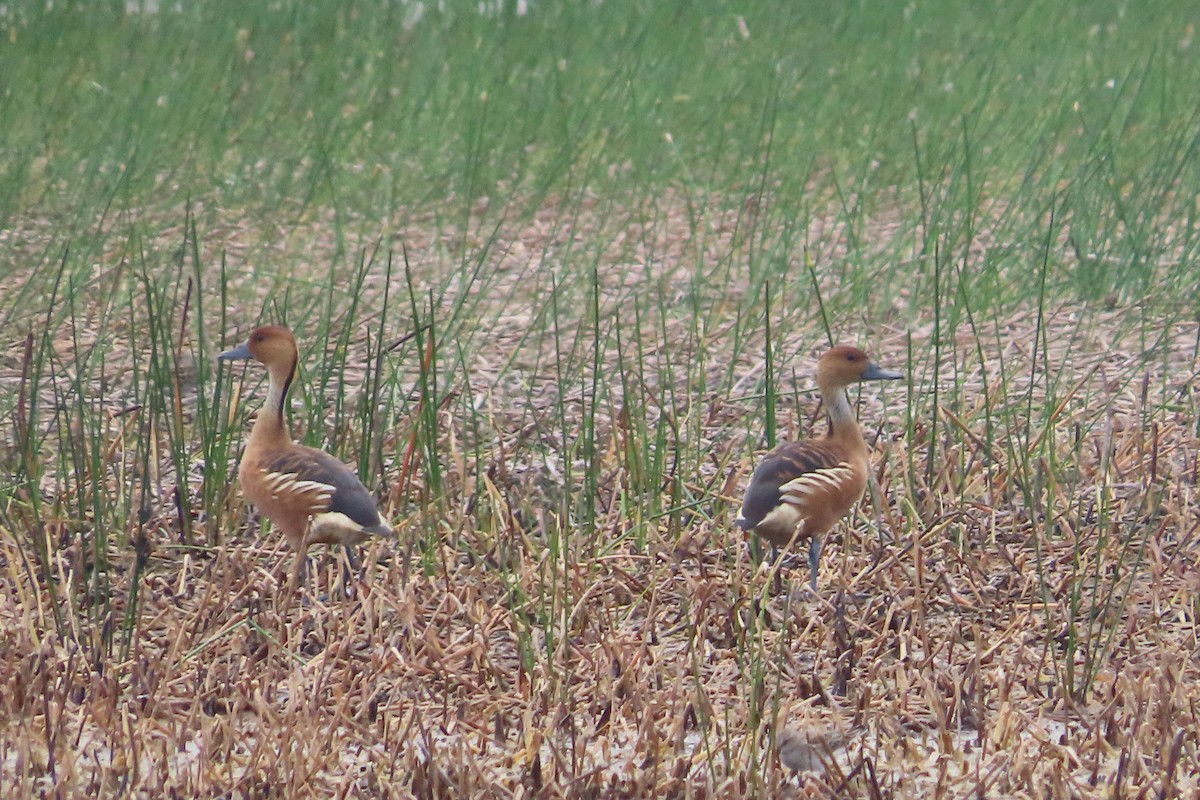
{"points": [[841, 413], [271, 426]]}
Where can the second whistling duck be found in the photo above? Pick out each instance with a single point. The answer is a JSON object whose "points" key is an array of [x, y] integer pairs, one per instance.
{"points": [[311, 496], [801, 489]]}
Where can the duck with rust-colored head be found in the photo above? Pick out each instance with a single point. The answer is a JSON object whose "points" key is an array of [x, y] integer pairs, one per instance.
{"points": [[311, 496], [801, 489]]}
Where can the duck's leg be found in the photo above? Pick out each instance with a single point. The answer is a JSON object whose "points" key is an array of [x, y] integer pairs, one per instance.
{"points": [[814, 559], [299, 564], [297, 573], [351, 568]]}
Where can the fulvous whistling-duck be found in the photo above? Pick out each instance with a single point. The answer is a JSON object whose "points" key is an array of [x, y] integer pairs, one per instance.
{"points": [[801, 489], [311, 496]]}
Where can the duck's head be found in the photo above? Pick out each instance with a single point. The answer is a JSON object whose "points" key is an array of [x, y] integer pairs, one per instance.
{"points": [[268, 345], [845, 365]]}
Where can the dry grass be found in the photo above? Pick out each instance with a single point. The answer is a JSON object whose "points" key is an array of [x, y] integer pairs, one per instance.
{"points": [[1014, 617]]}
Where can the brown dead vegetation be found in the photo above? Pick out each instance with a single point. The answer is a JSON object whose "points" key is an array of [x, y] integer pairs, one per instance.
{"points": [[1011, 614]]}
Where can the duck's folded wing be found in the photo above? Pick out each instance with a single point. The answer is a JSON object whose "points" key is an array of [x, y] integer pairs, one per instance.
{"points": [[321, 484], [795, 482]]}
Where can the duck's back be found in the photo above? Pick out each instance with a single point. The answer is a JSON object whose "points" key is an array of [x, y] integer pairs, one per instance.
{"points": [[294, 484], [801, 489]]}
